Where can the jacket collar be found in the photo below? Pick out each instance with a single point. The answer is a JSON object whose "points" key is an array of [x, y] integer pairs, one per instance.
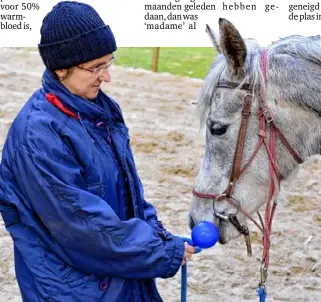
{"points": [[103, 108]]}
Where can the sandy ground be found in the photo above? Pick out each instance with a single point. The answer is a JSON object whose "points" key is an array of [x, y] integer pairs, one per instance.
{"points": [[168, 147]]}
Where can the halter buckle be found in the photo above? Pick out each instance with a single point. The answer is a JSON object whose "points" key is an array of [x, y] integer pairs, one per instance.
{"points": [[268, 115], [264, 274]]}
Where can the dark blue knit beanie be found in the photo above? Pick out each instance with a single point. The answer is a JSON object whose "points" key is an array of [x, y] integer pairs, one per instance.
{"points": [[73, 33]]}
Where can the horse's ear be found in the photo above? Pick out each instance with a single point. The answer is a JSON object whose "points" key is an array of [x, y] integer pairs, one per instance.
{"points": [[233, 47], [214, 38]]}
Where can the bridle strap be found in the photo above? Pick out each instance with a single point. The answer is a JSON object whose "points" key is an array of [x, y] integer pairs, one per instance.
{"points": [[236, 170], [233, 85], [296, 156]]}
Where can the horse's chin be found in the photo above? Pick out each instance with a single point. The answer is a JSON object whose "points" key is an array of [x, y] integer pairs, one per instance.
{"points": [[224, 232], [227, 232]]}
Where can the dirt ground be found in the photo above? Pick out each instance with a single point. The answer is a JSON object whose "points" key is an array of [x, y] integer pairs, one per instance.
{"points": [[160, 113]]}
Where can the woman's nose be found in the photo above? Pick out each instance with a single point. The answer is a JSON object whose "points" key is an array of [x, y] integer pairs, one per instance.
{"points": [[105, 76]]}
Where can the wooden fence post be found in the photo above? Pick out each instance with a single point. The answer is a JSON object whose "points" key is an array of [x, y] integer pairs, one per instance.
{"points": [[155, 59]]}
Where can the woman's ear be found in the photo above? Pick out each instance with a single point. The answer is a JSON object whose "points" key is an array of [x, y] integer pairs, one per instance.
{"points": [[61, 74]]}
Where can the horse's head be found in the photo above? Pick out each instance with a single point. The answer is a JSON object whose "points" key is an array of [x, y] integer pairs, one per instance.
{"points": [[261, 109]]}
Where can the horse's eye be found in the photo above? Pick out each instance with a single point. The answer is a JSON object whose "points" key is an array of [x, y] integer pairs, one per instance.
{"points": [[218, 129]]}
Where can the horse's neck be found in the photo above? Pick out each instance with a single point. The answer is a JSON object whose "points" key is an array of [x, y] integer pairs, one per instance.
{"points": [[301, 128], [315, 111]]}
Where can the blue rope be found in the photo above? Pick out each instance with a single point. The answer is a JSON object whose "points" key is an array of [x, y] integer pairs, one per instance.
{"points": [[184, 283], [262, 294], [184, 271]]}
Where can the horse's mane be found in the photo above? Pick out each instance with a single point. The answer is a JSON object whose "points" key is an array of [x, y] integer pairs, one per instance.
{"points": [[308, 48]]}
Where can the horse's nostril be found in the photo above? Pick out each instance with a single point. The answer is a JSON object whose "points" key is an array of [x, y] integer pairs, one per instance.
{"points": [[191, 222]]}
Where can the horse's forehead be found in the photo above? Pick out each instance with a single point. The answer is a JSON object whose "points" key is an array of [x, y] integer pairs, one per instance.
{"points": [[220, 58], [226, 103]]}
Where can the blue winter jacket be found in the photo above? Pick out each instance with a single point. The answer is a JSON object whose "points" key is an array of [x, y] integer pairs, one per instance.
{"points": [[73, 203]]}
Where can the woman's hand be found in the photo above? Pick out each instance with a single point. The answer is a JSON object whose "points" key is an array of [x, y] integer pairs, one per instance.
{"points": [[189, 251]]}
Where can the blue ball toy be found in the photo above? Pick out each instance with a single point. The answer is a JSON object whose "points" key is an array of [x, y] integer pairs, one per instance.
{"points": [[205, 234]]}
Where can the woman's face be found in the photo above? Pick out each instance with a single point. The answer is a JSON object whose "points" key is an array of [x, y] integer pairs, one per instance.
{"points": [[85, 79]]}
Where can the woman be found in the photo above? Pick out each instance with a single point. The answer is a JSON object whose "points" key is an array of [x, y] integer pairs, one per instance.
{"points": [[70, 195]]}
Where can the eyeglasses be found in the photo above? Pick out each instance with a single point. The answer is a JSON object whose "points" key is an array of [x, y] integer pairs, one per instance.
{"points": [[98, 71]]}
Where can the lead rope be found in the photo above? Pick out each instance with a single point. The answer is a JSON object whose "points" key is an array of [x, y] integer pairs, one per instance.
{"points": [[261, 291], [184, 283], [184, 271]]}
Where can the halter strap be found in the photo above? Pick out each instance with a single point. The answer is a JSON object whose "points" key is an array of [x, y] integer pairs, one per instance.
{"points": [[233, 85]]}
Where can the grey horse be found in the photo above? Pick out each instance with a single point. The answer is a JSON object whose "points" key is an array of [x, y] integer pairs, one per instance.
{"points": [[284, 93]]}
